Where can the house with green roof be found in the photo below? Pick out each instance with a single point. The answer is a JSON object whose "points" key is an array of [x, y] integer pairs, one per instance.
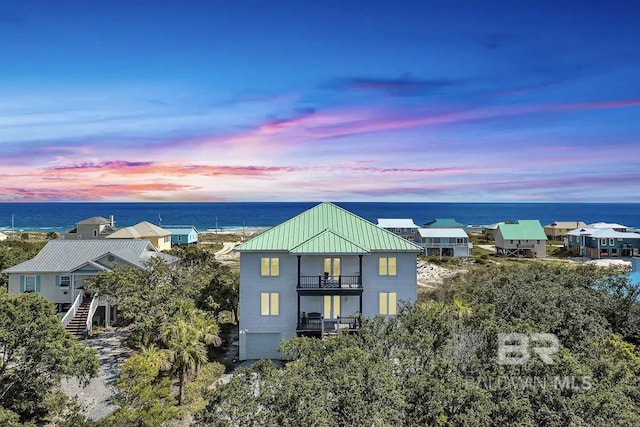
{"points": [[318, 274], [523, 238], [444, 223]]}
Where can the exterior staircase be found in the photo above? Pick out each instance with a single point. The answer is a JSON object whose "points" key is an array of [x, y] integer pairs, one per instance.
{"points": [[78, 324]]}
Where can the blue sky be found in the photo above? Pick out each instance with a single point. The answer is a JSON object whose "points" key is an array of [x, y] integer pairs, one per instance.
{"points": [[327, 100]]}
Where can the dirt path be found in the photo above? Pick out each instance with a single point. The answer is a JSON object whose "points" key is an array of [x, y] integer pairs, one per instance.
{"points": [[227, 247], [96, 397]]}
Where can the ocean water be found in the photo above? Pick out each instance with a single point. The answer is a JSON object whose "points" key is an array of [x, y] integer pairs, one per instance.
{"points": [[48, 216]]}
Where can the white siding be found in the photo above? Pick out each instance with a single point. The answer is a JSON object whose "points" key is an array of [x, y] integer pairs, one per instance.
{"points": [[48, 287]]}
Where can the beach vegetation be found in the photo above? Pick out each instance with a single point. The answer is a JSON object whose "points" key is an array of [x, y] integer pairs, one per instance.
{"points": [[436, 363]]}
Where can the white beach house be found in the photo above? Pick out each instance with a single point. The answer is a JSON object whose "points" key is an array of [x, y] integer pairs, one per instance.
{"points": [[403, 227], [317, 274], [444, 242], [61, 270]]}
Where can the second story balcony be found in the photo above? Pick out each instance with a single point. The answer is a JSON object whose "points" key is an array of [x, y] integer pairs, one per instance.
{"points": [[322, 283]]}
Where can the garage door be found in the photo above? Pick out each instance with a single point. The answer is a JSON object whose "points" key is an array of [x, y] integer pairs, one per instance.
{"points": [[263, 345]]}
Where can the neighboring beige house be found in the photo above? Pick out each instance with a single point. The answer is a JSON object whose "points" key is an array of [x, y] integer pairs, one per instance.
{"points": [[95, 227], [557, 230], [159, 237], [523, 238]]}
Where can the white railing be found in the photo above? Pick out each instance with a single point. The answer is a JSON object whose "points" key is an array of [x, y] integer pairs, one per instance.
{"points": [[92, 310], [72, 310], [447, 245]]}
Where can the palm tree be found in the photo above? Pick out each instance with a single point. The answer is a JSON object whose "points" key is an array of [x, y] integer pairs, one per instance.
{"points": [[156, 356], [186, 353]]}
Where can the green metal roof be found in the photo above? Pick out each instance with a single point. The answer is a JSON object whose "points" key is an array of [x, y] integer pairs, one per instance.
{"points": [[529, 229], [327, 228], [328, 242], [444, 223]]}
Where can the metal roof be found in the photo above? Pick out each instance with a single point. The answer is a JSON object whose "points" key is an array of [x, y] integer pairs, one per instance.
{"points": [[140, 231], [396, 223], [442, 232], [566, 224], [94, 220], [328, 217], [607, 225], [328, 242], [66, 255], [529, 229], [581, 231], [181, 229], [612, 234], [444, 223]]}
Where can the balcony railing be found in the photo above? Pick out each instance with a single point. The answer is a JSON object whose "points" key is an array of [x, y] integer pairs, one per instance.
{"points": [[319, 324], [322, 282], [447, 245]]}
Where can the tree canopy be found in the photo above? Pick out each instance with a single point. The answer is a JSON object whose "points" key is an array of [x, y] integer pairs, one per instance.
{"points": [[436, 363], [35, 354]]}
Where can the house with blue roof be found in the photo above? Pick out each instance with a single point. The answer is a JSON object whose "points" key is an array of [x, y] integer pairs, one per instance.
{"points": [[317, 274], [183, 234]]}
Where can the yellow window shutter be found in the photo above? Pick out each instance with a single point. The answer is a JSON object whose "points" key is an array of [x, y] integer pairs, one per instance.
{"points": [[383, 303], [336, 305], [275, 304], [382, 266], [392, 266], [264, 304], [264, 271], [275, 266], [392, 303]]}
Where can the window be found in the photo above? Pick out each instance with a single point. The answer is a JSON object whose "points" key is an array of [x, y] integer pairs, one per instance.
{"points": [[388, 303], [511, 242], [332, 266], [95, 233], [65, 281], [179, 238], [538, 241], [331, 306], [30, 283], [436, 240], [270, 267], [603, 242], [167, 239], [612, 242], [269, 303], [387, 266]]}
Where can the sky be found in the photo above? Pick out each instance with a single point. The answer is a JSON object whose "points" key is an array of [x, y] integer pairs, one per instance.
{"points": [[418, 101]]}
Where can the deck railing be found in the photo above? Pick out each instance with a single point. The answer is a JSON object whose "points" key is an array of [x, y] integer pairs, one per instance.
{"points": [[92, 310], [72, 310], [340, 324], [446, 245], [317, 282]]}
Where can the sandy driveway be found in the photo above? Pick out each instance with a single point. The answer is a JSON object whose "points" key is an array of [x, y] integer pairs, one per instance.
{"points": [[96, 397]]}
